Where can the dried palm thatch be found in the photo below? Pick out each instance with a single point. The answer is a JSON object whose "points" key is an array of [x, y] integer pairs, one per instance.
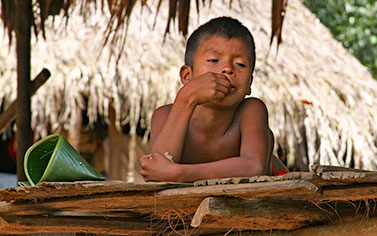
{"points": [[319, 96], [120, 12]]}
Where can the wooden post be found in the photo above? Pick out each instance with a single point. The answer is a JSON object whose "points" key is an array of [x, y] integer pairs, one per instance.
{"points": [[24, 136], [8, 116]]}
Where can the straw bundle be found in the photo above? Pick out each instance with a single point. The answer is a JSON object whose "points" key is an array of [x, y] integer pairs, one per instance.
{"points": [[317, 93]]}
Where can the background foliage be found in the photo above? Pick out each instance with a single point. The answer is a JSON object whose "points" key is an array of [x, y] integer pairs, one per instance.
{"points": [[353, 23]]}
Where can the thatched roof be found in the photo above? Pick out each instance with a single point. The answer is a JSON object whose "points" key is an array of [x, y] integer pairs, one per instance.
{"points": [[314, 89]]}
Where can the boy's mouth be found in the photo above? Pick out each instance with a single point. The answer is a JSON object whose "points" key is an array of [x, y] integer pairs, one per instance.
{"points": [[232, 88]]}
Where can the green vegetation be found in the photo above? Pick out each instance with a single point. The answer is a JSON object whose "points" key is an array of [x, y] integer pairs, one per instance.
{"points": [[353, 23]]}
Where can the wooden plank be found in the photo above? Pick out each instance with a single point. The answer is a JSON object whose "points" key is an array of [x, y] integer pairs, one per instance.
{"points": [[344, 193], [326, 176], [319, 169], [276, 213], [245, 212], [257, 179], [186, 198], [11, 225], [351, 176], [153, 202], [256, 214], [248, 190], [98, 225], [303, 182], [143, 203], [49, 190], [364, 227]]}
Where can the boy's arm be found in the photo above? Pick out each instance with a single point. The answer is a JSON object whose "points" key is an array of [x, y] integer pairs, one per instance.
{"points": [[169, 126], [169, 123], [252, 160]]}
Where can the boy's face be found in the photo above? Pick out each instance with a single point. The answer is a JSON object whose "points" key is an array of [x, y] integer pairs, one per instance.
{"points": [[230, 57]]}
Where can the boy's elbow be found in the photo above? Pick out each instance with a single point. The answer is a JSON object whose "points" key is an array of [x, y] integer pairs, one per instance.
{"points": [[256, 169]]}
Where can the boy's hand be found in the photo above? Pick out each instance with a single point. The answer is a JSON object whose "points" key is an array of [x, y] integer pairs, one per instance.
{"points": [[207, 87], [156, 167]]}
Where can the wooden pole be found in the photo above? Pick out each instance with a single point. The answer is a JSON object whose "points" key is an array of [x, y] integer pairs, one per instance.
{"points": [[9, 115], [24, 136]]}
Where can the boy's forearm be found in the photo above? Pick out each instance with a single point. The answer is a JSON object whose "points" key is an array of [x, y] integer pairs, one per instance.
{"points": [[171, 137], [231, 167]]}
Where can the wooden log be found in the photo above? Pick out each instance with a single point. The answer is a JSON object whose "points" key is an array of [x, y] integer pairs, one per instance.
{"points": [[24, 136], [256, 214], [10, 114]]}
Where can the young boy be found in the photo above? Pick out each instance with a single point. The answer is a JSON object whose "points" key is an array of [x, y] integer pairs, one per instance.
{"points": [[211, 130]]}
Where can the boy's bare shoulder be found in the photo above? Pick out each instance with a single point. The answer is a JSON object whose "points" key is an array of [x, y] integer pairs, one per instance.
{"points": [[165, 109], [252, 104], [162, 112], [159, 117]]}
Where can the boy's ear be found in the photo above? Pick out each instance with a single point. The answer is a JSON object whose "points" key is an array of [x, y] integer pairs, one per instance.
{"points": [[249, 89], [185, 73]]}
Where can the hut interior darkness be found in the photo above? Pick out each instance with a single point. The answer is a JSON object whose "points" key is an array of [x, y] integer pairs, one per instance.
{"points": [[321, 100]]}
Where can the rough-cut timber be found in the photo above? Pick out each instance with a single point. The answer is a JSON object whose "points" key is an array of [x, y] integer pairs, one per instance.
{"points": [[293, 203], [9, 115], [256, 214]]}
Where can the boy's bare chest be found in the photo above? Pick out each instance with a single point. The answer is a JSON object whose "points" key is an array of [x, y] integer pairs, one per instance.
{"points": [[198, 149]]}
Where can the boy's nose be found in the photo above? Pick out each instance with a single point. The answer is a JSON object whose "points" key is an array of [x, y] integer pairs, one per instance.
{"points": [[227, 70]]}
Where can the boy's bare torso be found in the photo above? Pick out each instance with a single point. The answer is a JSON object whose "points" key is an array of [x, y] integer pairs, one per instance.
{"points": [[216, 141]]}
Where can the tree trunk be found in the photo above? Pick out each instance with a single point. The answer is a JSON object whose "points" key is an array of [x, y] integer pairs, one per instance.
{"points": [[23, 119]]}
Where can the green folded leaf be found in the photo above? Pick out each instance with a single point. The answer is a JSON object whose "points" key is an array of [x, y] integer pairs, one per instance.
{"points": [[53, 159]]}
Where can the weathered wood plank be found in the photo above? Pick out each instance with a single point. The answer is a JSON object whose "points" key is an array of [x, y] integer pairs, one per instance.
{"points": [[249, 190], [276, 213], [187, 199], [143, 203], [319, 169], [258, 179], [325, 176], [66, 189], [364, 227], [256, 214], [98, 225], [154, 202], [48, 190], [345, 193], [12, 225]]}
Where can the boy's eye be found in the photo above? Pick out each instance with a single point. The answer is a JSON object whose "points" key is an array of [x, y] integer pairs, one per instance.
{"points": [[240, 64], [212, 60]]}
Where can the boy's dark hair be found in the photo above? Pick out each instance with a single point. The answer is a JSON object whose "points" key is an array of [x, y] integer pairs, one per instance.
{"points": [[226, 27]]}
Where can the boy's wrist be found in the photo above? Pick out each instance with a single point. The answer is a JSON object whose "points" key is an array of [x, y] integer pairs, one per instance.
{"points": [[184, 97], [177, 173]]}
